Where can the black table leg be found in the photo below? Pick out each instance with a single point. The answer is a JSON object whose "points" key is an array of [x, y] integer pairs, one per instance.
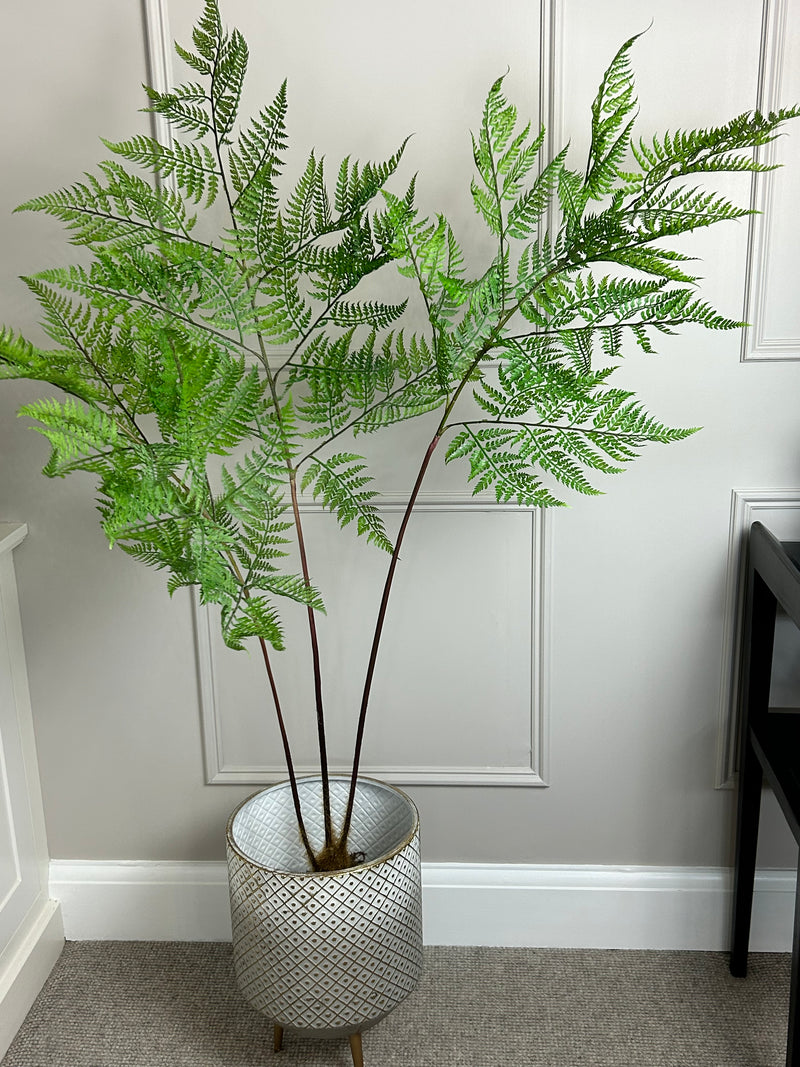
{"points": [[749, 810], [757, 647]]}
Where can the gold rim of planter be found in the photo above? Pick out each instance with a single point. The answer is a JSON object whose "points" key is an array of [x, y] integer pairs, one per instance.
{"points": [[323, 874]]}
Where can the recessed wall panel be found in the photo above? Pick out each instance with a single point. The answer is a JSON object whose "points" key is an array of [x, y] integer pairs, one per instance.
{"points": [[456, 691]]}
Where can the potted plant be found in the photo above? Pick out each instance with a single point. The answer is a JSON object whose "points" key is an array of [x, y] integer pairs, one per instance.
{"points": [[219, 354]]}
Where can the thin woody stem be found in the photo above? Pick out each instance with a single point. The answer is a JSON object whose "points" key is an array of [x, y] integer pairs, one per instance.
{"points": [[288, 756], [301, 545], [387, 588], [312, 627]]}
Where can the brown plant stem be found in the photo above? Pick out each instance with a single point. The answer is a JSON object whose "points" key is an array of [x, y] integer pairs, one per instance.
{"points": [[387, 588], [312, 626], [323, 755], [289, 762]]}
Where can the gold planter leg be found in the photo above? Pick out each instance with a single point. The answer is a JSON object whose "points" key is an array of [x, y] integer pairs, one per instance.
{"points": [[355, 1048], [277, 1038]]}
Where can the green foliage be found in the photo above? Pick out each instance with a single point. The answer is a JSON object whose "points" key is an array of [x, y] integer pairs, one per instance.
{"points": [[339, 481], [258, 346], [611, 127]]}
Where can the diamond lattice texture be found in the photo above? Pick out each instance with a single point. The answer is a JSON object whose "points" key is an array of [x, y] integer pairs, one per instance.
{"points": [[328, 952]]}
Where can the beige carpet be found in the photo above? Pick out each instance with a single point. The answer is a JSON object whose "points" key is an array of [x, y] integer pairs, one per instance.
{"points": [[156, 1004]]}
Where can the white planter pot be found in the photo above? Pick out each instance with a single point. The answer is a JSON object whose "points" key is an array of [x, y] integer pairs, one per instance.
{"points": [[332, 952]]}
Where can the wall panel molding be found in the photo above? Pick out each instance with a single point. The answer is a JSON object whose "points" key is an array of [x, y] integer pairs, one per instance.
{"points": [[158, 57], [747, 507], [551, 69], [534, 773], [757, 343]]}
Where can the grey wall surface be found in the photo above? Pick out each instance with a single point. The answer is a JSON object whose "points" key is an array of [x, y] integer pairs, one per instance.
{"points": [[592, 653]]}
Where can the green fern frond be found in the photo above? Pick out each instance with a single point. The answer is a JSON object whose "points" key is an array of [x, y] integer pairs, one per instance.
{"points": [[487, 208], [257, 156], [573, 196], [195, 169], [186, 107], [366, 313], [357, 185], [718, 148], [517, 161], [124, 209], [409, 401], [229, 409], [524, 216], [62, 368], [229, 75], [497, 128], [339, 482], [660, 262], [300, 208], [74, 432], [611, 134], [673, 211], [255, 617], [493, 465], [620, 414]]}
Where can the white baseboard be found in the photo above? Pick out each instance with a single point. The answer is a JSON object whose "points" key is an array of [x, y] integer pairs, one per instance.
{"points": [[26, 964], [601, 907], [463, 904]]}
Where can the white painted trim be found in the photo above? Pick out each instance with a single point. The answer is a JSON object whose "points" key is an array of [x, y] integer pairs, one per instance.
{"points": [[396, 774], [541, 630], [551, 95], [463, 904], [128, 900], [32, 950], [158, 55], [532, 775], [745, 505], [11, 534], [10, 621], [551, 77], [25, 965], [756, 346]]}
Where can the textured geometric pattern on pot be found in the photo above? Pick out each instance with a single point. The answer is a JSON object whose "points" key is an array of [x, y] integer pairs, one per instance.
{"points": [[329, 952]]}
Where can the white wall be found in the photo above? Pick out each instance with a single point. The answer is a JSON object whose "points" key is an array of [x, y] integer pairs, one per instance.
{"points": [[616, 676]]}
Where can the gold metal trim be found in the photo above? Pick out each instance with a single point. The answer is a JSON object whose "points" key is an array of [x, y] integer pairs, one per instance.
{"points": [[323, 874]]}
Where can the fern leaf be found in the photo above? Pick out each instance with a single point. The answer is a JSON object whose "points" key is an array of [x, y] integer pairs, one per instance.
{"points": [[525, 214], [257, 156], [572, 196], [662, 262], [185, 107], [339, 482], [366, 313], [74, 432], [497, 127], [611, 134], [194, 167], [127, 210], [357, 185], [254, 617], [708, 150], [494, 465], [517, 162]]}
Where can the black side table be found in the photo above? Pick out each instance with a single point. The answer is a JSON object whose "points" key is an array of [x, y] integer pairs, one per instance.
{"points": [[769, 744]]}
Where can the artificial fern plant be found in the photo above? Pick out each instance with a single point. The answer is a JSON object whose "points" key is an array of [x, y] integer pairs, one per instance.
{"points": [[178, 343]]}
